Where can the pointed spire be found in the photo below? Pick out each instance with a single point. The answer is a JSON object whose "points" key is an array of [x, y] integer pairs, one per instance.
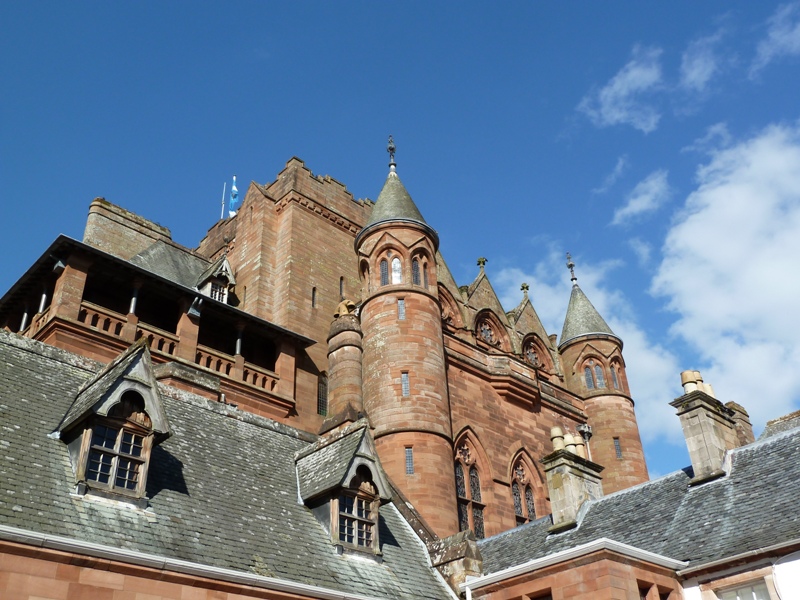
{"points": [[394, 203], [582, 317]]}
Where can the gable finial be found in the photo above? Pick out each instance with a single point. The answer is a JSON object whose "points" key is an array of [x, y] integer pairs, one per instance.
{"points": [[571, 267], [391, 148], [525, 287], [482, 262]]}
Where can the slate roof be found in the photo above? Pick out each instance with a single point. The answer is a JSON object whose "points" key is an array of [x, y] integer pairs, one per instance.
{"points": [[322, 469], [394, 203], [223, 489], [582, 318], [172, 263], [754, 506], [784, 423]]}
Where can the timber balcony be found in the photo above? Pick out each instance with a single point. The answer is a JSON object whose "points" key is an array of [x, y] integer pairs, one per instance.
{"points": [[101, 333]]}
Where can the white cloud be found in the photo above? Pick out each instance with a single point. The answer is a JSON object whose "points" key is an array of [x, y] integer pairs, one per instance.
{"points": [[717, 136], [729, 271], [620, 101], [652, 370], [648, 195], [699, 63], [642, 249], [611, 178], [783, 37]]}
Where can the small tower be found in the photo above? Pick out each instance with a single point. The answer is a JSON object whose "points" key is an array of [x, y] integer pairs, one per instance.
{"points": [[595, 370], [405, 385]]}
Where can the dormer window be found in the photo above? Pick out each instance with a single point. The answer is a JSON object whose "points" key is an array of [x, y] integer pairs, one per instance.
{"points": [[357, 510], [219, 291], [119, 447], [217, 280]]}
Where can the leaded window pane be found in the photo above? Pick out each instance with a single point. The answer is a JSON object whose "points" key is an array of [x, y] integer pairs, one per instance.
{"points": [[397, 271], [529, 502], [598, 371], [587, 374], [425, 277], [477, 521], [415, 271], [517, 499], [322, 395], [614, 380], [461, 488], [474, 484], [463, 516], [384, 272]]}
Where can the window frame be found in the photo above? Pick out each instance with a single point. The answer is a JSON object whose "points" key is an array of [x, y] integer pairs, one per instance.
{"points": [[522, 512], [362, 491], [471, 510]]}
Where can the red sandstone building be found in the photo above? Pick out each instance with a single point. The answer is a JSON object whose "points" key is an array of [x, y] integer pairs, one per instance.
{"points": [[308, 405]]}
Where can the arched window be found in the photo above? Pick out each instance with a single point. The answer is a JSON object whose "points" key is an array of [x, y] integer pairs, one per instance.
{"points": [[384, 272], [415, 271], [524, 506], [614, 376], [425, 274], [531, 354], [587, 375], [357, 523], [397, 271], [468, 490], [598, 373]]}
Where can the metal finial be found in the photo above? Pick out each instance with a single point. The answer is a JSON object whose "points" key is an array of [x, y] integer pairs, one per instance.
{"points": [[525, 287], [391, 150], [571, 267], [482, 262]]}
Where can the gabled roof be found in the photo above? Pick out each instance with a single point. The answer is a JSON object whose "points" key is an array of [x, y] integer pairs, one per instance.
{"points": [[753, 507], [222, 490], [331, 462], [582, 318], [94, 395], [220, 268]]}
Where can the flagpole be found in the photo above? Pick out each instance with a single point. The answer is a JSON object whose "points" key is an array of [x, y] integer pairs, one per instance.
{"points": [[222, 212]]}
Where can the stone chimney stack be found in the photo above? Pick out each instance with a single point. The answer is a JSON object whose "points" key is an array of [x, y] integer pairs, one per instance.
{"points": [[744, 429], [571, 478], [708, 426], [345, 400]]}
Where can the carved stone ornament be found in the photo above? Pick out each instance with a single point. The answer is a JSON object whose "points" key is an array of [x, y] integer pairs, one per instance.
{"points": [[464, 453], [346, 307]]}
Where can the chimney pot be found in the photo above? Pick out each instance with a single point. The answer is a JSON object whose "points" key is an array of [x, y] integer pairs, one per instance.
{"points": [[557, 437]]}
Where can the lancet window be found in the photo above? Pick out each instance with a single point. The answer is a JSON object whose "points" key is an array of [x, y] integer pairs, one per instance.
{"points": [[468, 490], [522, 492]]}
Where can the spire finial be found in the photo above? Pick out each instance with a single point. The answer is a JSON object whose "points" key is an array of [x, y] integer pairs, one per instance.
{"points": [[571, 267], [391, 150], [482, 262], [525, 287]]}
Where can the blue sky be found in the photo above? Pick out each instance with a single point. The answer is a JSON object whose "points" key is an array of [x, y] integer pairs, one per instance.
{"points": [[659, 143]]}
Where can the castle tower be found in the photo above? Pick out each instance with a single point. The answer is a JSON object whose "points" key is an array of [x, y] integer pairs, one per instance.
{"points": [[594, 368], [405, 386]]}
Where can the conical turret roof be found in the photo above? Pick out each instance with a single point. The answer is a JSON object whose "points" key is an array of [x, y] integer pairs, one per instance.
{"points": [[394, 204], [582, 318]]}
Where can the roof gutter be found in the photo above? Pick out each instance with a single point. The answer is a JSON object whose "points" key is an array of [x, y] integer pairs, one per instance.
{"points": [[570, 554], [161, 563], [738, 557]]}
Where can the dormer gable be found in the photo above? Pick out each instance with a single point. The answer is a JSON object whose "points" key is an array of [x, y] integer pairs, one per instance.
{"points": [[217, 280], [112, 425], [340, 478]]}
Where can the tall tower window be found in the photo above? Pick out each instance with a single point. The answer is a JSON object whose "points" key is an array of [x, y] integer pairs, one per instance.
{"points": [[415, 272], [384, 272], [404, 384], [593, 375], [322, 395], [587, 375], [425, 275], [598, 373], [341, 288], [614, 377], [468, 490], [397, 271], [617, 447], [409, 461], [313, 297], [401, 309]]}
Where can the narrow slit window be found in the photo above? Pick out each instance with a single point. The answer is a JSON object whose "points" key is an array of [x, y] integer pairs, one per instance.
{"points": [[614, 377], [409, 461], [587, 374], [341, 288], [415, 272], [401, 309], [425, 275], [322, 395], [617, 447], [406, 388], [313, 297]]}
